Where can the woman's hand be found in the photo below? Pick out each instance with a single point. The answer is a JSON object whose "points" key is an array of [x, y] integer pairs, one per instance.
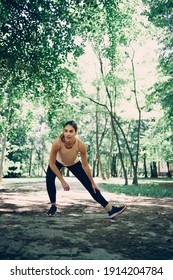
{"points": [[66, 187], [95, 187]]}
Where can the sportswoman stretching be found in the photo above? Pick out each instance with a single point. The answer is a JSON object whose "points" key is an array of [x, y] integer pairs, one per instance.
{"points": [[64, 153]]}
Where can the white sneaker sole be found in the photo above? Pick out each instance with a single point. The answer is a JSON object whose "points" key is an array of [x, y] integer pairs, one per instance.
{"points": [[51, 215], [118, 213]]}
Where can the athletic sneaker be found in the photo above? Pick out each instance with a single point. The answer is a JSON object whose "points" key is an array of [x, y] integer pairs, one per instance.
{"points": [[52, 211], [116, 211]]}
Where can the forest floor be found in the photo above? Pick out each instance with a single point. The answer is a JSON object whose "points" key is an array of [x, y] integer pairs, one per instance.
{"points": [[81, 229]]}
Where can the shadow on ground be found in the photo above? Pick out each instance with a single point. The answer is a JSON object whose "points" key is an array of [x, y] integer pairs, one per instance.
{"points": [[81, 229]]}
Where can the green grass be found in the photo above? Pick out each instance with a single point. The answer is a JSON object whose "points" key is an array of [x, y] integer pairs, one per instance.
{"points": [[22, 181], [145, 189], [160, 187]]}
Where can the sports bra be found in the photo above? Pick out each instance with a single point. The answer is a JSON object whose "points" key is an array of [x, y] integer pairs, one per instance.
{"points": [[67, 156]]}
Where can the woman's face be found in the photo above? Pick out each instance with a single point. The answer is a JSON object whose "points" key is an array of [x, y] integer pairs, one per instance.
{"points": [[69, 133]]}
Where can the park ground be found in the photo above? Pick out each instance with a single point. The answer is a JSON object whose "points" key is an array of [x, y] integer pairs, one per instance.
{"points": [[81, 229]]}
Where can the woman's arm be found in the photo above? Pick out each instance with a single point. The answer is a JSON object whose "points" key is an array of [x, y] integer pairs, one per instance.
{"points": [[52, 162], [85, 165]]}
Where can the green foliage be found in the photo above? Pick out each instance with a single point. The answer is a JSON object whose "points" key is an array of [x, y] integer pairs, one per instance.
{"points": [[36, 38], [17, 151], [40, 45], [34, 33], [160, 13]]}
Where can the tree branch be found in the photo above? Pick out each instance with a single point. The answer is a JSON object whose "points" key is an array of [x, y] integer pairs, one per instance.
{"points": [[98, 103]]}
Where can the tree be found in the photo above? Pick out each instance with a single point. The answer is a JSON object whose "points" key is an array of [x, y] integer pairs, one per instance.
{"points": [[36, 37], [111, 51], [160, 13], [9, 104]]}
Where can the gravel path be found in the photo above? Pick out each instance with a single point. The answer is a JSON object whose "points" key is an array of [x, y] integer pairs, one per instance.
{"points": [[81, 230]]}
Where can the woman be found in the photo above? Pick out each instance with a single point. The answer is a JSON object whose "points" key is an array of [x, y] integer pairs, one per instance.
{"points": [[64, 153]]}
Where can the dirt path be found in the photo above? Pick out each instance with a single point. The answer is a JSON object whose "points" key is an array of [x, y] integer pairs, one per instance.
{"points": [[81, 229]]}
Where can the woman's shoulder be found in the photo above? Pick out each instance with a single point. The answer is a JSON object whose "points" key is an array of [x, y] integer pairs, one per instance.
{"points": [[81, 144], [57, 143]]}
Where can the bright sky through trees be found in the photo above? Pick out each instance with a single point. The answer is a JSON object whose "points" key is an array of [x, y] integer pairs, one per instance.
{"points": [[146, 74]]}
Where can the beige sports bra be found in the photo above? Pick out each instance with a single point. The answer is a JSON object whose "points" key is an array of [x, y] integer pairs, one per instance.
{"points": [[67, 156]]}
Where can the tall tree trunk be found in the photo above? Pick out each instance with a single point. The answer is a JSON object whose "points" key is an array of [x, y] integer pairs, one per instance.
{"points": [[94, 167], [67, 172], [40, 162], [135, 176], [145, 167], [30, 163], [168, 167], [98, 145], [101, 168], [110, 155], [3, 156], [153, 168], [114, 172], [8, 124], [97, 140], [158, 169], [120, 153], [135, 166]]}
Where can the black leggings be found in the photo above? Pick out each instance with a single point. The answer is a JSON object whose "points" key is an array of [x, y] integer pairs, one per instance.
{"points": [[80, 174]]}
